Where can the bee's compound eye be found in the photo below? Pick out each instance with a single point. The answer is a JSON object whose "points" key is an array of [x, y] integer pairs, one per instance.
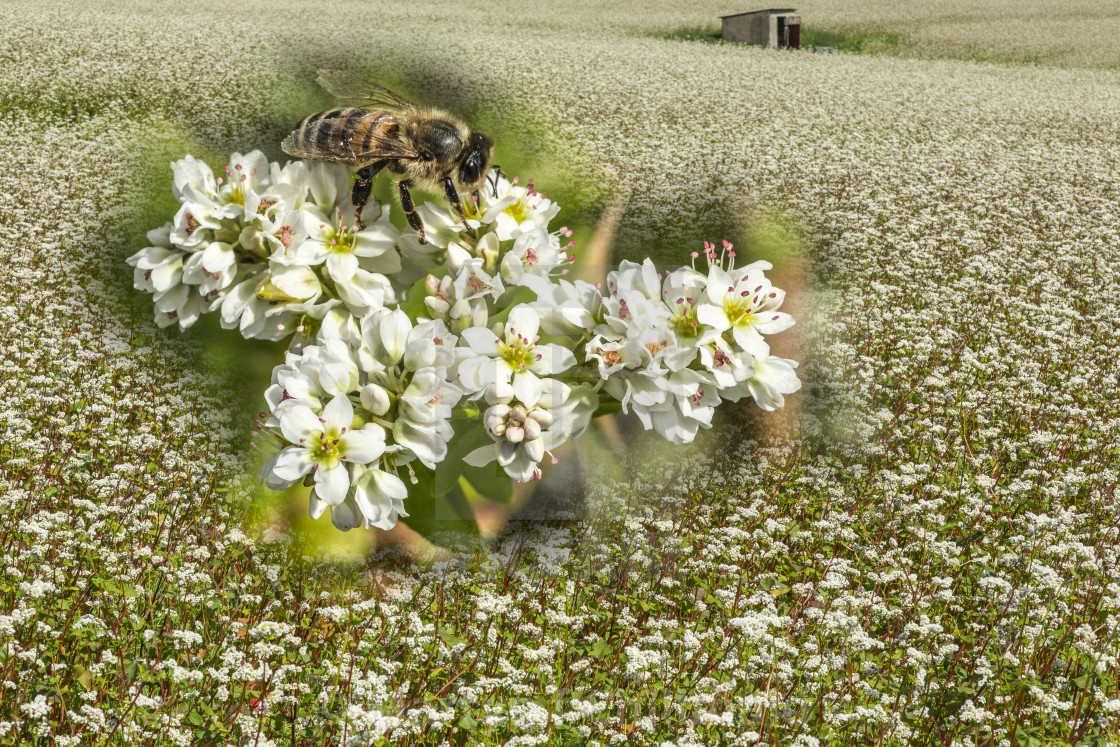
{"points": [[477, 160]]}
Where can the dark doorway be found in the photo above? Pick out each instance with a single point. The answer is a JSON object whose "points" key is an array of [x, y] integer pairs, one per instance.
{"points": [[793, 31]]}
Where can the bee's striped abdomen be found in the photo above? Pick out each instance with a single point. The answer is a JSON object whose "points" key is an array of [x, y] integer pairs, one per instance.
{"points": [[342, 134]]}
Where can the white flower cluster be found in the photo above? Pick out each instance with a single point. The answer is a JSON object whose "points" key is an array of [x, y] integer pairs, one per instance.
{"points": [[384, 388], [672, 347], [346, 413], [268, 246]]}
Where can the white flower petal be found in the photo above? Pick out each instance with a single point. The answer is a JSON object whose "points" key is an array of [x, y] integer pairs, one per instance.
{"points": [[362, 447], [298, 423], [338, 413], [332, 483], [293, 463]]}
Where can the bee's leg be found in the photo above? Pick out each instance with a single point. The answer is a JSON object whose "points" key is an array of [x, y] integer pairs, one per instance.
{"points": [[497, 175], [363, 186], [452, 196], [410, 210]]}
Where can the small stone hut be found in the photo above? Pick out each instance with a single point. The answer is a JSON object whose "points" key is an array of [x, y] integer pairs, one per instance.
{"points": [[774, 27]]}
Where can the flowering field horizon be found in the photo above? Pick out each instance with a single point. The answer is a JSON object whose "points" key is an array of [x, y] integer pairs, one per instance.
{"points": [[923, 551]]}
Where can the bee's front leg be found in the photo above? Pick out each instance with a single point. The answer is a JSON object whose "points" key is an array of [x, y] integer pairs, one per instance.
{"points": [[403, 189], [452, 196]]}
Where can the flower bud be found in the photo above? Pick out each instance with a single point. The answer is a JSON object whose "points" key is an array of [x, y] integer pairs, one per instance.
{"points": [[488, 249], [436, 306], [494, 417], [515, 434], [532, 431], [499, 392], [456, 256], [431, 285], [543, 417], [375, 399], [479, 313], [534, 449], [518, 414], [386, 332]]}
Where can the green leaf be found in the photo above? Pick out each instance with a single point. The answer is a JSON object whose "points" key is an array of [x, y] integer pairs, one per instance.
{"points": [[83, 677], [442, 519], [607, 406], [466, 723], [449, 636], [489, 482], [108, 585], [601, 649], [469, 435], [414, 304]]}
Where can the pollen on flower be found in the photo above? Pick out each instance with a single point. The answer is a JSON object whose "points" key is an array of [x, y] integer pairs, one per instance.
{"points": [[476, 284]]}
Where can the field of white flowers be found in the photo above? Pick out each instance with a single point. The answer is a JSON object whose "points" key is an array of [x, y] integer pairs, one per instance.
{"points": [[925, 551]]}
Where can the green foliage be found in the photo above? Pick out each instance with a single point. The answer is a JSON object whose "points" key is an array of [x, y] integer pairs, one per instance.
{"points": [[710, 33], [847, 41]]}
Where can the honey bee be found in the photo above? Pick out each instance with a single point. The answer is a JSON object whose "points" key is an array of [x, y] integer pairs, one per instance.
{"points": [[423, 147]]}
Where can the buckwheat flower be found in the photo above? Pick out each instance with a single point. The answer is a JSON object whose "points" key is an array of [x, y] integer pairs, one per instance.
{"points": [[473, 282], [285, 318], [728, 367], [245, 174], [158, 268], [514, 352], [566, 308], [192, 179], [695, 397], [325, 444], [414, 380], [743, 300], [534, 252], [513, 209], [386, 334], [423, 412], [327, 185], [379, 496], [344, 250], [210, 203], [179, 303], [520, 419], [486, 248], [681, 293], [313, 377], [612, 356], [770, 378], [441, 225], [289, 282], [213, 269], [289, 231], [430, 344], [376, 499], [194, 186], [366, 291]]}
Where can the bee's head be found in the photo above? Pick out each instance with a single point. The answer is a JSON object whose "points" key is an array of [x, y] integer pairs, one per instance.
{"points": [[474, 162]]}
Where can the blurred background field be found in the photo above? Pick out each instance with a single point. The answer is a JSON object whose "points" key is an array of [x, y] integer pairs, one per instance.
{"points": [[922, 551]]}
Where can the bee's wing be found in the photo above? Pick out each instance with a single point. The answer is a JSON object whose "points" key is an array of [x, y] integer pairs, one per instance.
{"points": [[325, 141], [354, 89]]}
